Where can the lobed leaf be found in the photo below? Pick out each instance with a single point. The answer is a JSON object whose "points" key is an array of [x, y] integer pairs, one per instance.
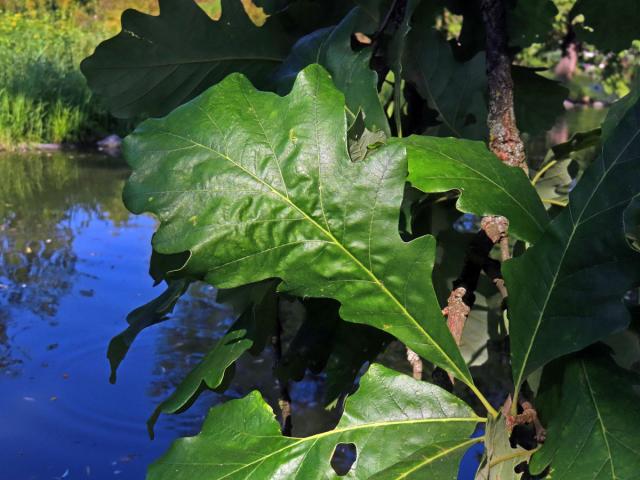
{"points": [[438, 461], [259, 186], [487, 186], [390, 419], [566, 291], [159, 62]]}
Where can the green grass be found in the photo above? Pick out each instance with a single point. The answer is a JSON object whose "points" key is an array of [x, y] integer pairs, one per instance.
{"points": [[43, 96]]}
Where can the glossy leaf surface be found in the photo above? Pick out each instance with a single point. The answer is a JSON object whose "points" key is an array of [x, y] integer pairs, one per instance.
{"points": [[566, 291], [440, 460], [259, 186], [389, 419], [487, 186]]}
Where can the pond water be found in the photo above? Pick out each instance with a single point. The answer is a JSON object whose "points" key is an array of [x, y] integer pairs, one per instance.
{"points": [[73, 263]]}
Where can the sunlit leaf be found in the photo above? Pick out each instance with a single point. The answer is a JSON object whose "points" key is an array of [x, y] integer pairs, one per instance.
{"points": [[259, 186], [439, 460], [487, 186], [391, 418]]}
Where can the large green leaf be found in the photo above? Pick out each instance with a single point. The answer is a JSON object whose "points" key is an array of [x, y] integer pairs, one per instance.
{"points": [[592, 412], [566, 291], [609, 27], [390, 419], [453, 89], [487, 186], [158, 62], [250, 332], [331, 48], [259, 186]]}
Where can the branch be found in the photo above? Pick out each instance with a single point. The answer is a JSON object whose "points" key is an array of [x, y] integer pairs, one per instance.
{"points": [[504, 136]]}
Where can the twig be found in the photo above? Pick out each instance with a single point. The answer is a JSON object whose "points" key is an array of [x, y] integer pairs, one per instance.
{"points": [[497, 229], [416, 364], [529, 415], [462, 296], [504, 136]]}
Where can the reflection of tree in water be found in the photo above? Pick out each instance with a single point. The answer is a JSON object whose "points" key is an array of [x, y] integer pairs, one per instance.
{"points": [[45, 200]]}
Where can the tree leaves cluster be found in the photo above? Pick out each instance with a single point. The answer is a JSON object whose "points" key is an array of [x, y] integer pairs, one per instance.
{"points": [[279, 171]]}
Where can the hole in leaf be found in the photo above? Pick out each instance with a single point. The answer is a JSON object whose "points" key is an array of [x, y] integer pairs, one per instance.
{"points": [[343, 458], [211, 8], [255, 13]]}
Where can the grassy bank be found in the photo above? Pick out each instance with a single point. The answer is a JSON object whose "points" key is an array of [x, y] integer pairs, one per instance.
{"points": [[43, 95]]}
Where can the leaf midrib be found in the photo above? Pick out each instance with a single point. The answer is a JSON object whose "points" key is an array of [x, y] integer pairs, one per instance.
{"points": [[599, 416], [337, 431], [442, 453], [575, 225], [338, 244]]}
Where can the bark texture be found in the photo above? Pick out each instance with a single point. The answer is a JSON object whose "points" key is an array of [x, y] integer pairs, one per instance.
{"points": [[504, 136]]}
